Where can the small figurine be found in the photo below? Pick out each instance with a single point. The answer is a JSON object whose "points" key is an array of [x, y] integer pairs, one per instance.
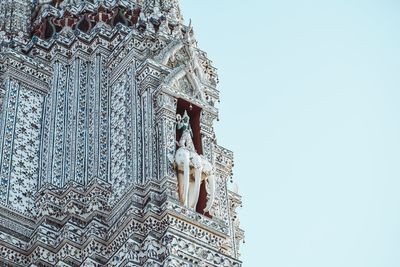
{"points": [[183, 123]]}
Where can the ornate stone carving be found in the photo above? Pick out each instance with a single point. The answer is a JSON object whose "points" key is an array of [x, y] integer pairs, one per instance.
{"points": [[91, 173]]}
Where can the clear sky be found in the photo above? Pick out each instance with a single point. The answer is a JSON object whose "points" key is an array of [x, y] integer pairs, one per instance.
{"points": [[311, 107]]}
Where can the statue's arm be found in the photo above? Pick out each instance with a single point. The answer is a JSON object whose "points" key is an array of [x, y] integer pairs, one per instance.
{"points": [[179, 125]]}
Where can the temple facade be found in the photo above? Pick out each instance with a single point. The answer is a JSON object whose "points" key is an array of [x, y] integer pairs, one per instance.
{"points": [[108, 155]]}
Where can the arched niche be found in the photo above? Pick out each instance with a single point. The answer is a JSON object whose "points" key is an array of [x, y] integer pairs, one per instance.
{"points": [[194, 113]]}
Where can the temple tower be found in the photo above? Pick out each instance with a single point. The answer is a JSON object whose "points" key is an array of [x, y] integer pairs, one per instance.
{"points": [[108, 155]]}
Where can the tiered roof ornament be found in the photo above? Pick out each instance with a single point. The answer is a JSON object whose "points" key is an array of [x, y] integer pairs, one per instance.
{"points": [[52, 16]]}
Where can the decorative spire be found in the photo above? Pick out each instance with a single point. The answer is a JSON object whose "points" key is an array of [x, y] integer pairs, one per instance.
{"points": [[171, 7]]}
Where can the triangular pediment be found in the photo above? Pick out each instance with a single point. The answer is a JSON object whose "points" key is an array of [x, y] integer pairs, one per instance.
{"points": [[188, 86]]}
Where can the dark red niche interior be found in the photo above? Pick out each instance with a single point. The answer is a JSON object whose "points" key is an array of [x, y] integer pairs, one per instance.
{"points": [[194, 114], [202, 203]]}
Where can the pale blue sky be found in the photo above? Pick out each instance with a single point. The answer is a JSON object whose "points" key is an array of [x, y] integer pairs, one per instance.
{"points": [[311, 107]]}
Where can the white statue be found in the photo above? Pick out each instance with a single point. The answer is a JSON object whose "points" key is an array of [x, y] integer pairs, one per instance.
{"points": [[192, 168]]}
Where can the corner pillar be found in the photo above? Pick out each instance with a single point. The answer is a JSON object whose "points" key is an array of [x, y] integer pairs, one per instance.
{"points": [[166, 133]]}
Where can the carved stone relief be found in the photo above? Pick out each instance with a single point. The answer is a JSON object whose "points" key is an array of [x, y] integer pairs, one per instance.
{"points": [[91, 171]]}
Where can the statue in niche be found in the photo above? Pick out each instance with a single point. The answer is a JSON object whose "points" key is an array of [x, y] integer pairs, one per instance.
{"points": [[192, 168], [183, 124]]}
